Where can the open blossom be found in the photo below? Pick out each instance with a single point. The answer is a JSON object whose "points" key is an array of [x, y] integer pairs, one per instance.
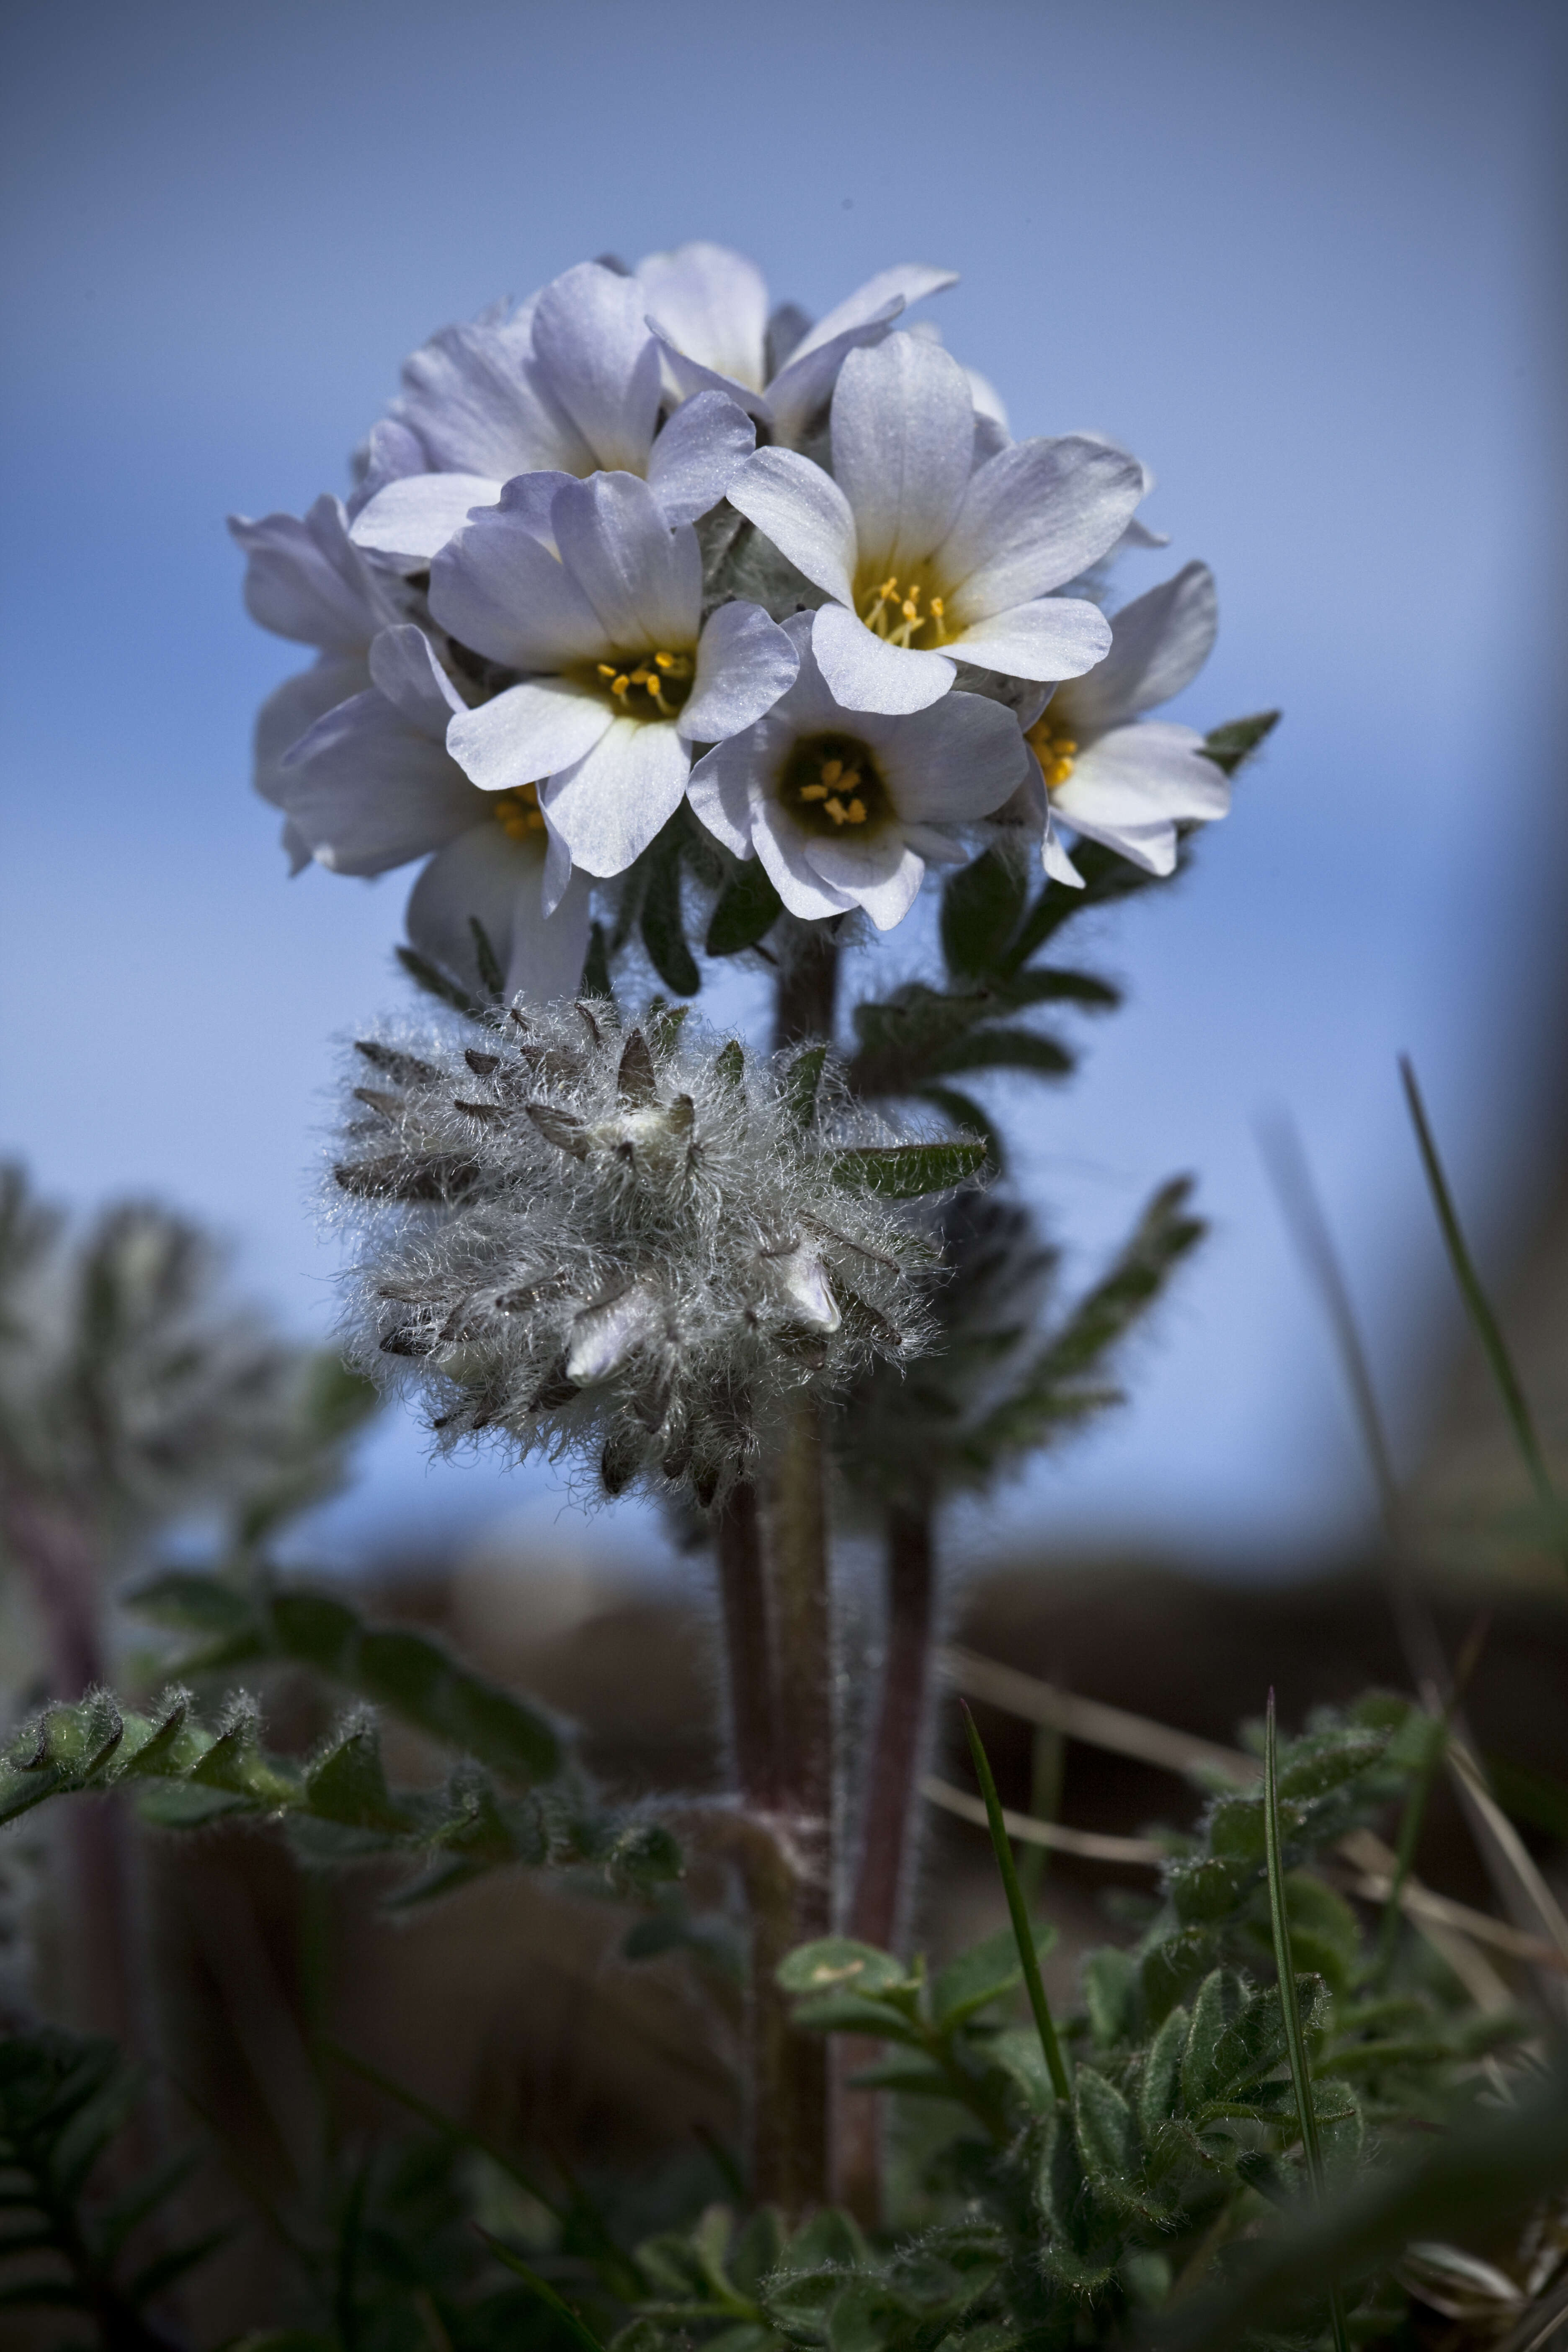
{"points": [[928, 560], [847, 808], [1105, 770], [620, 676], [569, 384], [711, 307], [372, 785], [305, 579]]}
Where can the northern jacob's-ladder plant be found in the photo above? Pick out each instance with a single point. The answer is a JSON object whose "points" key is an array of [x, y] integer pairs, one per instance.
{"points": [[663, 627]]}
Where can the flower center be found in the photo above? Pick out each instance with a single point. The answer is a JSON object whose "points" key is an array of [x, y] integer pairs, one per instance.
{"points": [[643, 686], [517, 813], [831, 786], [1053, 747], [905, 612]]}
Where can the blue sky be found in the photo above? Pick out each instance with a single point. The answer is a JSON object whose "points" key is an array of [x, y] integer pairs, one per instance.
{"points": [[1305, 261]]}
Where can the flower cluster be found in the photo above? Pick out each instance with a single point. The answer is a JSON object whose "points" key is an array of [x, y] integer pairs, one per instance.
{"points": [[642, 540], [626, 1245]]}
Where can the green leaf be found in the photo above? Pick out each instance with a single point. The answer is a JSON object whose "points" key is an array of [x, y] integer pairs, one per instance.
{"points": [[1159, 2090], [804, 1083], [435, 982], [906, 1171], [663, 918], [1107, 2134], [731, 1062], [1326, 1760], [1110, 1995], [840, 1964], [596, 982], [1228, 745], [998, 1046], [982, 905], [492, 979], [984, 1974], [349, 1786], [1214, 2047], [747, 909]]}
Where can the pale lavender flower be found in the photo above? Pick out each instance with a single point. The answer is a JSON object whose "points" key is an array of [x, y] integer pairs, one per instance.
{"points": [[371, 786], [847, 808], [928, 559], [1103, 768], [599, 605]]}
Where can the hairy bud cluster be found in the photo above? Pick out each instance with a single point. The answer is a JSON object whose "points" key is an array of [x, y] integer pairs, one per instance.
{"points": [[623, 1244]]}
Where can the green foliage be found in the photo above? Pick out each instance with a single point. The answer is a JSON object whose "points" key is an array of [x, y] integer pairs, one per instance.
{"points": [[1231, 744], [65, 2243], [998, 1388], [745, 912], [245, 1624]]}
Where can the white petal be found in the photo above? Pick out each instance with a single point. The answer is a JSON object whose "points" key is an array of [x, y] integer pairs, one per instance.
{"points": [[865, 673], [1059, 865], [413, 519], [956, 761], [805, 514], [1035, 515], [486, 877], [473, 396], [367, 791], [389, 452], [548, 951], [697, 455], [294, 706], [903, 441], [1055, 637], [1142, 773], [744, 662], [528, 500], [719, 789], [405, 669], [642, 579], [685, 378], [905, 282], [1158, 645], [496, 589], [531, 732], [883, 875], [605, 1337], [780, 846], [610, 805], [304, 580], [714, 305], [595, 351]]}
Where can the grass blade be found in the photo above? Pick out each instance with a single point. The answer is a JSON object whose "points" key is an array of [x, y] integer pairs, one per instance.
{"points": [[1018, 1911], [545, 2291], [1488, 1330], [1290, 2009]]}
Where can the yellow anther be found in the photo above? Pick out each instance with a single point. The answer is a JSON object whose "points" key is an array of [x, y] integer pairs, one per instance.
{"points": [[851, 780], [855, 811], [938, 607], [620, 685], [665, 661], [909, 609], [606, 669], [831, 770], [814, 792], [644, 678], [887, 588]]}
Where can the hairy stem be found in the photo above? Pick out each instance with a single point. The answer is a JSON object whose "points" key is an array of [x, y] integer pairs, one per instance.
{"points": [[880, 1887], [748, 1647], [808, 982]]}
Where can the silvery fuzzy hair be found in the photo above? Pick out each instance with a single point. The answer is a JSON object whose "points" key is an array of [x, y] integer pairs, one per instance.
{"points": [[621, 1245]]}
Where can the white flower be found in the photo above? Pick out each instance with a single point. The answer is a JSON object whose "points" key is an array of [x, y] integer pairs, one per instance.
{"points": [[1103, 769], [304, 580], [843, 807], [711, 307], [919, 549], [621, 676], [372, 785], [569, 384]]}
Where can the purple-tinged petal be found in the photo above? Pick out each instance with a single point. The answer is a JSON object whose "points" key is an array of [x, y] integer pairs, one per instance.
{"points": [[1055, 637], [905, 282], [956, 761], [903, 445], [1034, 515], [720, 790], [697, 455], [805, 514], [403, 665], [610, 805], [293, 707], [474, 397], [744, 662], [1158, 645], [413, 519], [780, 848], [304, 580], [1143, 773], [529, 733], [712, 305], [643, 580], [496, 588], [484, 875], [864, 672], [883, 875], [593, 348], [367, 791]]}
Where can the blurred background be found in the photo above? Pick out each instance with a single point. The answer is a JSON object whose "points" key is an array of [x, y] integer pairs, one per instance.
{"points": [[1307, 262]]}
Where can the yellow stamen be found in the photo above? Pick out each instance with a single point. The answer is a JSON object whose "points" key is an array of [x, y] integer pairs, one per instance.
{"points": [[938, 608], [857, 812], [620, 685], [831, 770], [836, 810], [606, 670], [814, 792]]}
